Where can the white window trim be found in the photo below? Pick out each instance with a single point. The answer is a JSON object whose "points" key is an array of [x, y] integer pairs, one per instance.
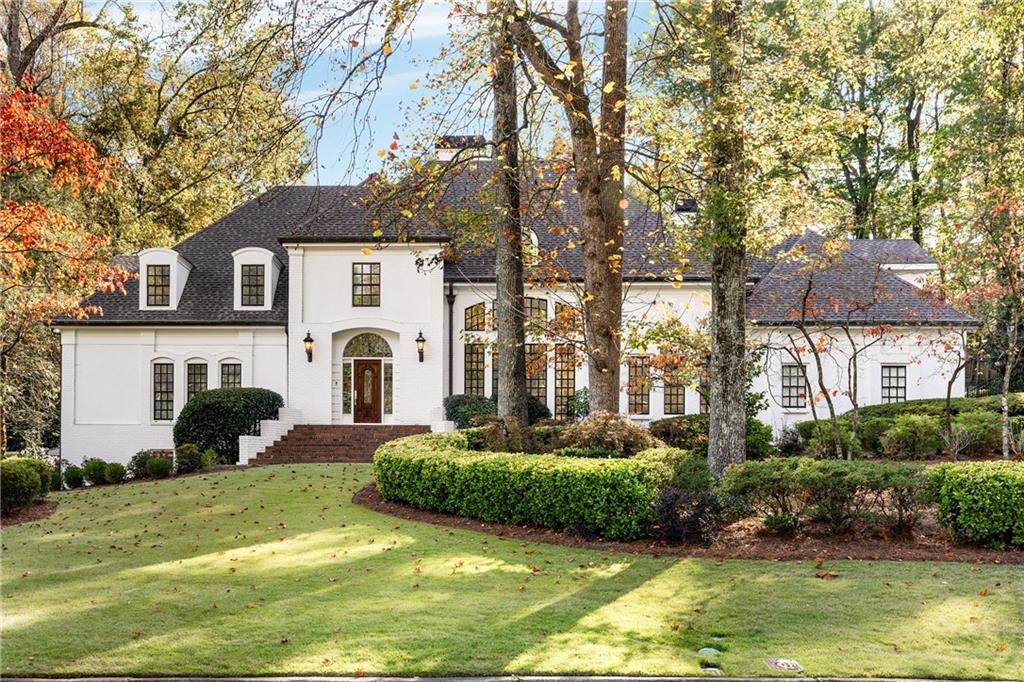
{"points": [[179, 271], [254, 255]]}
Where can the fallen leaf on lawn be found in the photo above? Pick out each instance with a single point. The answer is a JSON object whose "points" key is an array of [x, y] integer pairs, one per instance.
{"points": [[818, 562], [136, 633], [1000, 647], [359, 672], [232, 569], [284, 640], [675, 625], [326, 661], [250, 605], [983, 592], [336, 630], [827, 575]]}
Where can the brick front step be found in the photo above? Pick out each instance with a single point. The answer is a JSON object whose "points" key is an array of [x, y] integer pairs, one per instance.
{"points": [[308, 443]]}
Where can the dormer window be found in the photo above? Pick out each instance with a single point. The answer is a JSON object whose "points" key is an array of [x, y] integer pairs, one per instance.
{"points": [[256, 273], [253, 285], [158, 285]]}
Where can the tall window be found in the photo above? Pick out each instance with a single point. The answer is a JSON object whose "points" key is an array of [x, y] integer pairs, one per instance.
{"points": [[537, 371], [231, 375], [476, 317], [195, 379], [158, 285], [163, 391], [535, 313], [675, 396], [253, 284], [639, 384], [474, 369], [494, 372], [894, 383], [565, 379], [366, 284], [705, 395], [794, 386]]}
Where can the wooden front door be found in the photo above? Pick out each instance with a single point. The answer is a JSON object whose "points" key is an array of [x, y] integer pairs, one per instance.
{"points": [[366, 377]]}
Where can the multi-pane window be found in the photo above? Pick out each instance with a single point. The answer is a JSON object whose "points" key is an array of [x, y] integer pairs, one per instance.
{"points": [[366, 284], [474, 369], [705, 395], [894, 383], [565, 379], [535, 313], [537, 371], [231, 375], [158, 285], [476, 318], [675, 396], [253, 280], [163, 391], [494, 372], [639, 384], [195, 379], [794, 386]]}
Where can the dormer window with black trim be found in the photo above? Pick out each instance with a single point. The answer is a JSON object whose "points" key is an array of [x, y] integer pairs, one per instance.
{"points": [[253, 285], [158, 285]]}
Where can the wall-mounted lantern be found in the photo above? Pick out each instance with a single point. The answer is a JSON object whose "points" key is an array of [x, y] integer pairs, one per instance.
{"points": [[421, 345], [308, 343]]}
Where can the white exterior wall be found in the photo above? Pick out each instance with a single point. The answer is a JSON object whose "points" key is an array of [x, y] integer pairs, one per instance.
{"points": [[922, 350], [320, 302], [106, 380]]}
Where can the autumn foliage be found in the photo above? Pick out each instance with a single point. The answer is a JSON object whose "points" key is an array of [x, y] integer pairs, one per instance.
{"points": [[48, 260]]}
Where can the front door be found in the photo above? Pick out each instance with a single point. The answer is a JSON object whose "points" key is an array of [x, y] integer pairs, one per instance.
{"points": [[366, 376]]}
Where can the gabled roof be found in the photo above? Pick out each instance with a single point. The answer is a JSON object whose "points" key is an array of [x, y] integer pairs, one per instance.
{"points": [[837, 286], [891, 251]]}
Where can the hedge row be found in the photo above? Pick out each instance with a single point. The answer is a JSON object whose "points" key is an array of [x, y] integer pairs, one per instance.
{"points": [[612, 498], [981, 502], [690, 432], [936, 407]]}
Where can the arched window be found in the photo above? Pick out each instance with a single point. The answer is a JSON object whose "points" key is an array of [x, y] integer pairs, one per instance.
{"points": [[163, 390], [367, 345], [196, 380], [476, 317], [230, 374]]}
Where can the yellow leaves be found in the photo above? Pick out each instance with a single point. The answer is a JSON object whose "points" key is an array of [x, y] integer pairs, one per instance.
{"points": [[415, 84], [366, 251], [618, 104], [386, 49], [609, 86], [382, 153]]}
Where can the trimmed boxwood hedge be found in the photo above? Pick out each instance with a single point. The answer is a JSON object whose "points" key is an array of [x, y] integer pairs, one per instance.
{"points": [[936, 407], [215, 419], [612, 498], [981, 502]]}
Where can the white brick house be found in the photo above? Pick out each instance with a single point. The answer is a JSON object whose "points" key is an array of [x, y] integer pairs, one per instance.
{"points": [[233, 304]]}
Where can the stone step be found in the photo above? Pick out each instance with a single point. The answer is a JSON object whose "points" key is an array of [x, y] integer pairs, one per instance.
{"points": [[333, 443]]}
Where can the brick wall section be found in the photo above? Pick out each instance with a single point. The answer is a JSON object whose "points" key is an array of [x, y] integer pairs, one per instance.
{"points": [[337, 443]]}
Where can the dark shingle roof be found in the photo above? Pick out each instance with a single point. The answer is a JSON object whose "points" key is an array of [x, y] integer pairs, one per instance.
{"points": [[891, 251], [838, 286]]}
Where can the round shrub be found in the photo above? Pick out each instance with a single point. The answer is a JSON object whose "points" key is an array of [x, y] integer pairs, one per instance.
{"points": [[208, 459], [464, 409], [187, 458], [690, 432], [73, 476], [688, 516], [871, 432], [137, 464], [215, 419], [982, 431], [913, 436], [609, 431], [94, 471], [116, 473], [981, 502], [19, 483], [159, 467], [759, 443], [42, 469]]}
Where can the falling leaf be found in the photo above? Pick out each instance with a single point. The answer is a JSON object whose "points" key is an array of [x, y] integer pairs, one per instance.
{"points": [[366, 251]]}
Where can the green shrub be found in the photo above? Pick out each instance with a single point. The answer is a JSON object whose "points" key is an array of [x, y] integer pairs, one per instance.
{"points": [[42, 469], [767, 487], [871, 431], [137, 464], [782, 524], [578, 404], [536, 410], [94, 471], [19, 483], [688, 516], [208, 459], [73, 476], [115, 473], [216, 418], [591, 452], [820, 442], [790, 443], [913, 436], [687, 470], [935, 407], [611, 498], [982, 431], [690, 432], [609, 431], [464, 409], [159, 467], [187, 458], [506, 434], [981, 502]]}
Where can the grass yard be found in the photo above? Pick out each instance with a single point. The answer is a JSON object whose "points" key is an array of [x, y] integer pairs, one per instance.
{"points": [[273, 570]]}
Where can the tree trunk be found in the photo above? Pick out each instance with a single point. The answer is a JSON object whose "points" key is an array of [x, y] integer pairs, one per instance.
{"points": [[1013, 352], [728, 423], [508, 251], [913, 126]]}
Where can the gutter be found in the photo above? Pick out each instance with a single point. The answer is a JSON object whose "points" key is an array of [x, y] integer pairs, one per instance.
{"points": [[450, 299]]}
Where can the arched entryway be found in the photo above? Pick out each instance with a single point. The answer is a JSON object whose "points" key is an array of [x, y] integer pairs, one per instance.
{"points": [[364, 380]]}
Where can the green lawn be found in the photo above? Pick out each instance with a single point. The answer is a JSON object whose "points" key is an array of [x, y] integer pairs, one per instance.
{"points": [[273, 570]]}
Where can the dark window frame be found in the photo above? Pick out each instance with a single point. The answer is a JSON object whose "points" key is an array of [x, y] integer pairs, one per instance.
{"points": [[158, 286], [474, 362], [195, 381], [366, 281], [638, 369], [894, 384], [475, 317], [253, 284], [234, 375], [794, 386], [675, 397], [537, 371], [565, 379], [163, 391]]}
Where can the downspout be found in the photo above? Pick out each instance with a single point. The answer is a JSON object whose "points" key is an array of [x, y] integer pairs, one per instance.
{"points": [[450, 298]]}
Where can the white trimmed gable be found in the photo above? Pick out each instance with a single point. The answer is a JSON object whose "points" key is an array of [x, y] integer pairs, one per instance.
{"points": [[272, 266], [178, 269]]}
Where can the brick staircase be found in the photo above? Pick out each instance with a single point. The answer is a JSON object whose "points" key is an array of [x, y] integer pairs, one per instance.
{"points": [[333, 443]]}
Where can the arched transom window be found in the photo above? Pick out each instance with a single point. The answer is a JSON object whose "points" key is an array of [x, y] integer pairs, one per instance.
{"points": [[367, 345]]}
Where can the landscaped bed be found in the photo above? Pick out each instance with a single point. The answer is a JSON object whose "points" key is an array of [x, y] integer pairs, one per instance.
{"points": [[274, 571]]}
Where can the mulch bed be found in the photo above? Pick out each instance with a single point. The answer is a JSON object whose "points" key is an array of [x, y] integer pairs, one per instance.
{"points": [[33, 512], [740, 540]]}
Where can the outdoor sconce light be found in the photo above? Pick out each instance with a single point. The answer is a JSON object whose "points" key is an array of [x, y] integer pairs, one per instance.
{"points": [[308, 343], [421, 344]]}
